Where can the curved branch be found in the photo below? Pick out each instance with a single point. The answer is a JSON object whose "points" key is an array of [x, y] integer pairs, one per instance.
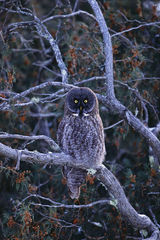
{"points": [[107, 49], [102, 173], [139, 221], [48, 140], [6, 105], [110, 100], [43, 32], [69, 15]]}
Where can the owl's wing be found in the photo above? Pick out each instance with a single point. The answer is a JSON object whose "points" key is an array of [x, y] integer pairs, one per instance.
{"points": [[75, 177], [60, 132]]}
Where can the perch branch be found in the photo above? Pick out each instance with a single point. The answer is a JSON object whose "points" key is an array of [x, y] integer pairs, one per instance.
{"points": [[139, 221], [103, 174]]}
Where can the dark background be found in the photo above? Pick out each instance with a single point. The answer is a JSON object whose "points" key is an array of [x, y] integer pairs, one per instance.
{"points": [[27, 60]]}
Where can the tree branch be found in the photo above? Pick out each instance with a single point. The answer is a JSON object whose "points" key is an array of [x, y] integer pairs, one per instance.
{"points": [[135, 28], [127, 211], [9, 103], [43, 32], [69, 15], [107, 49], [102, 173], [110, 100], [53, 204], [50, 141]]}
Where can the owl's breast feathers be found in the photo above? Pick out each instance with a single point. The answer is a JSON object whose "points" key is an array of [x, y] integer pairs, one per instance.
{"points": [[82, 138]]}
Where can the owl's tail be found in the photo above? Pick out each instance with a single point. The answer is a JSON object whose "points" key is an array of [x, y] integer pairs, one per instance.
{"points": [[75, 178]]}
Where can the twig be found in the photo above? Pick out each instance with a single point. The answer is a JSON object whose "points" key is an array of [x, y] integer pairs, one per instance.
{"points": [[43, 32], [41, 86], [69, 15], [60, 205], [113, 125], [67, 224], [135, 28], [95, 78], [50, 141], [153, 217]]}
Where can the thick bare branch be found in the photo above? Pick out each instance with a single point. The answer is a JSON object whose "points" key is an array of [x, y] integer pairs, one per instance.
{"points": [[102, 173], [110, 100], [35, 157], [127, 211], [107, 49]]}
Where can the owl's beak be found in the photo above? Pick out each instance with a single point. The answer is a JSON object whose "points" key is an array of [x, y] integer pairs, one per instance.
{"points": [[80, 110]]}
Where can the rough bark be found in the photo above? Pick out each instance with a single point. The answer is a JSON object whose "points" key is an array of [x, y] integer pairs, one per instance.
{"points": [[102, 173], [110, 100]]}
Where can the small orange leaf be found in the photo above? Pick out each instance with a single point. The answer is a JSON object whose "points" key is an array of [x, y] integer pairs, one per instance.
{"points": [[139, 10], [10, 77], [117, 143], [55, 215], [11, 222], [106, 5], [153, 172], [63, 181], [75, 221], [90, 179], [133, 178], [26, 61], [23, 118]]}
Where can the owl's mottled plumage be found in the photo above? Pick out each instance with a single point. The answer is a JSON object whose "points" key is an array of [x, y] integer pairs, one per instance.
{"points": [[80, 134]]}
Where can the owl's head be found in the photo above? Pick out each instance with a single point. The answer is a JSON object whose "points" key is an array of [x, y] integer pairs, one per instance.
{"points": [[81, 101]]}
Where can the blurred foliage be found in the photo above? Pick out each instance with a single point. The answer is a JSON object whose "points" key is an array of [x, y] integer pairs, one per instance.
{"points": [[26, 60]]}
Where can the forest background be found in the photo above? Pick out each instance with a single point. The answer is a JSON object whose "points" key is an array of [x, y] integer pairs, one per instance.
{"points": [[34, 202]]}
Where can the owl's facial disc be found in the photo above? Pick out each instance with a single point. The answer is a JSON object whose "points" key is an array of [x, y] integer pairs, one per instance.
{"points": [[81, 101]]}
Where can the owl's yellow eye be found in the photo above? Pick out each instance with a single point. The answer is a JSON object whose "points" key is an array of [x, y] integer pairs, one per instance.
{"points": [[75, 101], [85, 101]]}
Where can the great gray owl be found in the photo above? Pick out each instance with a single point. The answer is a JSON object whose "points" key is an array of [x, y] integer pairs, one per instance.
{"points": [[80, 134]]}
